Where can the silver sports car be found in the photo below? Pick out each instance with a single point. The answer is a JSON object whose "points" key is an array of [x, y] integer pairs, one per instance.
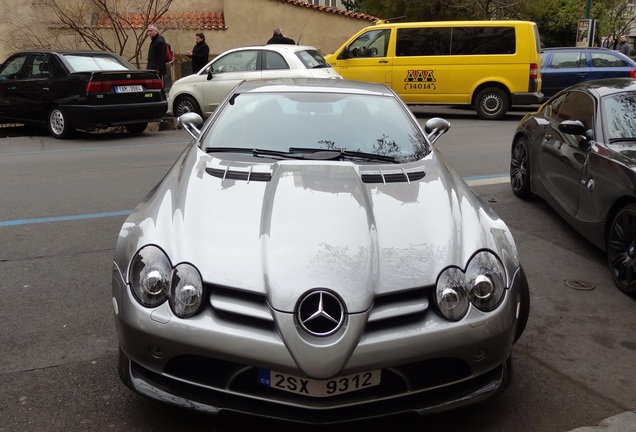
{"points": [[311, 257]]}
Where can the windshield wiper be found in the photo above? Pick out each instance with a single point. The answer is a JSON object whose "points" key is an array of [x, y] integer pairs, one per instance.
{"points": [[303, 153], [340, 154], [256, 152], [615, 140]]}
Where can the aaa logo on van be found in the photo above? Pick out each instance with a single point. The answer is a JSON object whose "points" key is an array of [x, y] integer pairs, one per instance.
{"points": [[420, 76]]}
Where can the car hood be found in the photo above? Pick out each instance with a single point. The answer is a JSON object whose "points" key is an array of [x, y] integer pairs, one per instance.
{"points": [[281, 229]]}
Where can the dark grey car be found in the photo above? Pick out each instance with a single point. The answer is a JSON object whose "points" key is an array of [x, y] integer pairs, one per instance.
{"points": [[311, 257], [578, 153]]}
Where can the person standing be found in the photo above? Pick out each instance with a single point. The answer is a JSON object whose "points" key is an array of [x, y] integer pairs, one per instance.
{"points": [[156, 51], [623, 46], [279, 38], [200, 53]]}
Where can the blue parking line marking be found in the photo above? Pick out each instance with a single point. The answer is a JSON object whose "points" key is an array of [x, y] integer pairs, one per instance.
{"points": [[64, 218]]}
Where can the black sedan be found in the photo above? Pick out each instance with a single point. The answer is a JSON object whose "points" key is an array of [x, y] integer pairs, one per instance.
{"points": [[78, 90], [578, 153]]}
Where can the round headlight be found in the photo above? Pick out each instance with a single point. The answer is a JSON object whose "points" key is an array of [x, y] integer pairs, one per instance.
{"points": [[451, 295], [186, 293], [150, 273], [485, 278]]}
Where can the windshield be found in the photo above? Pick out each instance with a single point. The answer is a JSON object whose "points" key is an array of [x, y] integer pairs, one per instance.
{"points": [[323, 121], [620, 116]]}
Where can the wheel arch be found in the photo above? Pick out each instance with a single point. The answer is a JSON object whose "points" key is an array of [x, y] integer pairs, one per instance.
{"points": [[611, 214], [488, 84]]}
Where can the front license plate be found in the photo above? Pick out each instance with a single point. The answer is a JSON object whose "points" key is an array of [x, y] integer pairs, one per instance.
{"points": [[129, 89], [318, 388]]}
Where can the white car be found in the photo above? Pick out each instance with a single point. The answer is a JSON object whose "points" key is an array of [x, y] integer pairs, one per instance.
{"points": [[203, 91]]}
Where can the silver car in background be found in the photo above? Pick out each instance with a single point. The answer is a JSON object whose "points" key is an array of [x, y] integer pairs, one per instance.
{"points": [[311, 257], [204, 90]]}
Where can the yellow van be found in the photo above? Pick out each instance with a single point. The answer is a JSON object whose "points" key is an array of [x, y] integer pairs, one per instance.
{"points": [[489, 65]]}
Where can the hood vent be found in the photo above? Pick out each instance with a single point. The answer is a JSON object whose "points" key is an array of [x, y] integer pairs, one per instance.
{"points": [[234, 174], [393, 177]]}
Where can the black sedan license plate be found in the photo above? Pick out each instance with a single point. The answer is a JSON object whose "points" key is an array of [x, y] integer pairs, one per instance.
{"points": [[318, 388], [129, 89]]}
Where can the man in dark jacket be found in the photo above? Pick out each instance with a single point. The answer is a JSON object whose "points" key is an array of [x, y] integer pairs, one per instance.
{"points": [[200, 53], [156, 51], [279, 38]]}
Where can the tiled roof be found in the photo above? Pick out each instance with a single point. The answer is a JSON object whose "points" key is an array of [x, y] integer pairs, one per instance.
{"points": [[180, 20], [303, 3], [208, 20]]}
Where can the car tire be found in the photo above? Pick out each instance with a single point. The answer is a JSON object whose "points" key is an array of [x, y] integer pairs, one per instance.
{"points": [[58, 123], [524, 307], [621, 250], [492, 103], [520, 168], [185, 104], [136, 128]]}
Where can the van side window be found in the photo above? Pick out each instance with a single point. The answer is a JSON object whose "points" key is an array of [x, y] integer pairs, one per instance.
{"points": [[434, 41], [483, 40], [374, 43]]}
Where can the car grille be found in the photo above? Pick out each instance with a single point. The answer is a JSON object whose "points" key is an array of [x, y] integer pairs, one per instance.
{"points": [[242, 379], [253, 309]]}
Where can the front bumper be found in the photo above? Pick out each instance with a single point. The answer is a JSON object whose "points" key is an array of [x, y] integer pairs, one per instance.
{"points": [[425, 368]]}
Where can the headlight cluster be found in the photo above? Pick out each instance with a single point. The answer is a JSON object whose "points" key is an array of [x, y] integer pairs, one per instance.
{"points": [[482, 284], [153, 280]]}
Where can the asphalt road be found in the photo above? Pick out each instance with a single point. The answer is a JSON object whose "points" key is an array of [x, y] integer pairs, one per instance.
{"points": [[62, 204]]}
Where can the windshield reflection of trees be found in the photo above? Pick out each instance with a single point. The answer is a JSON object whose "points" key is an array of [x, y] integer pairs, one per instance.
{"points": [[620, 115]]}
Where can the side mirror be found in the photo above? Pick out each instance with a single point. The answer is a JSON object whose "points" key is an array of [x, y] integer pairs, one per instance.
{"points": [[344, 54], [435, 128], [192, 123], [577, 128], [210, 75]]}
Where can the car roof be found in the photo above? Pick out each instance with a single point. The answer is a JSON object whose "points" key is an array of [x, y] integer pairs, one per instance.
{"points": [[54, 51], [275, 47], [313, 85], [607, 86], [577, 49]]}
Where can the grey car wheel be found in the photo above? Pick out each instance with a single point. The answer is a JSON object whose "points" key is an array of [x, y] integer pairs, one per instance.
{"points": [[185, 104], [520, 168], [492, 103], [59, 125]]}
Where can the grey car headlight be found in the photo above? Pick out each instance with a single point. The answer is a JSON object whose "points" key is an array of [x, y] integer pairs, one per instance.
{"points": [[150, 274], [482, 284], [485, 279], [186, 292], [450, 294]]}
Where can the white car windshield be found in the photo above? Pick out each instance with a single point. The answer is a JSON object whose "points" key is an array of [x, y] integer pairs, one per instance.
{"points": [[326, 121]]}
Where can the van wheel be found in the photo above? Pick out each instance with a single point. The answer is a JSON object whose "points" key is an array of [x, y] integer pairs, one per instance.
{"points": [[492, 103]]}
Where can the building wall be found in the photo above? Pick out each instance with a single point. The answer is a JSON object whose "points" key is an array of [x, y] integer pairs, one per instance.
{"points": [[247, 22]]}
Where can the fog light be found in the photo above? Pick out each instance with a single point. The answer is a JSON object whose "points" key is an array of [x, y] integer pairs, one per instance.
{"points": [[480, 354], [155, 351]]}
